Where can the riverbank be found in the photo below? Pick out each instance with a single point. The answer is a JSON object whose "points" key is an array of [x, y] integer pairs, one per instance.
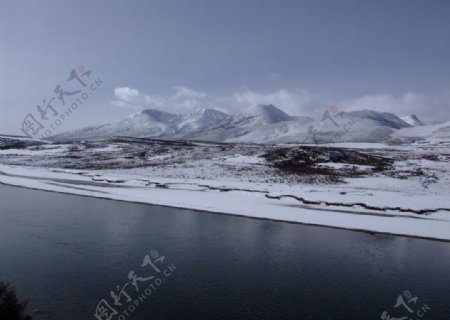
{"points": [[280, 203]]}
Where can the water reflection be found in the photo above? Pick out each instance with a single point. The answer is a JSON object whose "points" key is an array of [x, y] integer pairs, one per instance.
{"points": [[66, 252]]}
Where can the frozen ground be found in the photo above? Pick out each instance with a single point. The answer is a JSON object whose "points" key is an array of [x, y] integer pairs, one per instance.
{"points": [[397, 189]]}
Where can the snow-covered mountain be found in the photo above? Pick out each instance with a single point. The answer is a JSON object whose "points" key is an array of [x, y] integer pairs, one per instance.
{"points": [[433, 133], [386, 119], [198, 120], [255, 124], [413, 120], [242, 123], [149, 123], [355, 126]]}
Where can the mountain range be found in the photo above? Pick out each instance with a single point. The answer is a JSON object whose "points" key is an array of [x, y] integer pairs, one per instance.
{"points": [[255, 124]]}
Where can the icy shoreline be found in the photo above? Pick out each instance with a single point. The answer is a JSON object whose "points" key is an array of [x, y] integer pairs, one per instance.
{"points": [[392, 189], [256, 202]]}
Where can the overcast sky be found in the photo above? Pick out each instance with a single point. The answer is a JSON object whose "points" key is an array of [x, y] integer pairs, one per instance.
{"points": [[178, 56]]}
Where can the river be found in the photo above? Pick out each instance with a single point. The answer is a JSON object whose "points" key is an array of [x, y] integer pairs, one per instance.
{"points": [[67, 253]]}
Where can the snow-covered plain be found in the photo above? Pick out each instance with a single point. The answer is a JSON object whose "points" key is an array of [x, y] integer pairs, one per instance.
{"points": [[396, 189]]}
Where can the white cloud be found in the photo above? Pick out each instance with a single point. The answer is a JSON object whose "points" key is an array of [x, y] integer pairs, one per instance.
{"points": [[126, 94], [300, 102], [423, 105], [182, 100], [132, 98], [185, 99], [185, 92], [292, 102]]}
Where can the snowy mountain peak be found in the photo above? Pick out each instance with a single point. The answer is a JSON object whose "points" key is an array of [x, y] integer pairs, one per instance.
{"points": [[258, 123], [199, 119], [265, 113], [208, 115], [413, 120], [154, 115], [379, 118]]}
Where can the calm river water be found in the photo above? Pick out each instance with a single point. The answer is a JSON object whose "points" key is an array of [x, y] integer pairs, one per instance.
{"points": [[66, 254]]}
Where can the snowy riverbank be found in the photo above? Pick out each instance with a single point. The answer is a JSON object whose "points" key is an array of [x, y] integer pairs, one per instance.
{"points": [[372, 187]]}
